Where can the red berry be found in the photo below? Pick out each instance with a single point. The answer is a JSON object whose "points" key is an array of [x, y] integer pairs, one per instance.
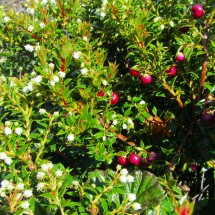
{"points": [[180, 57], [194, 166], [115, 98], [134, 72], [101, 93], [208, 117], [171, 71], [146, 79], [134, 159], [184, 29], [123, 160], [152, 156], [144, 162], [197, 11]]}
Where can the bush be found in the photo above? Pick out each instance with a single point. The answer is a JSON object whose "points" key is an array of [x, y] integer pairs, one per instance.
{"points": [[107, 107]]}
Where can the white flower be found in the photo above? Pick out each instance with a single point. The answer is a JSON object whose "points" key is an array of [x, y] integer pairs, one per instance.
{"points": [[115, 122], [171, 23], [130, 178], [42, 25], [124, 172], [8, 160], [40, 175], [5, 183], [104, 138], [38, 79], [142, 102], [71, 137], [7, 131], [53, 3], [18, 196], [55, 78], [162, 27], [78, 20], [157, 19], [85, 38], [40, 186], [102, 15], [29, 48], [30, 11], [104, 82], [10, 186], [51, 66], [123, 178], [56, 113], [28, 193], [20, 186], [18, 131], [6, 19], [61, 74], [2, 155], [129, 121], [7, 123], [47, 166], [30, 86], [42, 111], [75, 183], [52, 83], [31, 28], [84, 71], [76, 55], [124, 126], [2, 192], [37, 47], [136, 206], [44, 2], [25, 205], [59, 173], [131, 197]]}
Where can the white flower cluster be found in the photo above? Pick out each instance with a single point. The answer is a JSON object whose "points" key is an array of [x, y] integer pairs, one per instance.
{"points": [[17, 191], [32, 83], [7, 160], [8, 130], [46, 170], [101, 11], [125, 177]]}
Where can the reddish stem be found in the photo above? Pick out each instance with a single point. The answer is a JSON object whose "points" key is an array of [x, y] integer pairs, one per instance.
{"points": [[61, 9], [63, 66]]}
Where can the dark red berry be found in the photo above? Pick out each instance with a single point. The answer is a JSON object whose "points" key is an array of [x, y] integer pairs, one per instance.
{"points": [[114, 99], [184, 29], [146, 79], [134, 72], [101, 93], [123, 160], [208, 117], [152, 156], [194, 166], [134, 159]]}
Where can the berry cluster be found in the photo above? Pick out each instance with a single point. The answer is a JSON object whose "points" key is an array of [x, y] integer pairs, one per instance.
{"points": [[136, 160]]}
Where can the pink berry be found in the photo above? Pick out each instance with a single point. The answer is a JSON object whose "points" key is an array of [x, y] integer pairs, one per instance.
{"points": [[197, 11], [146, 79], [171, 71], [115, 98], [123, 160], [180, 57], [134, 159], [152, 156], [208, 117]]}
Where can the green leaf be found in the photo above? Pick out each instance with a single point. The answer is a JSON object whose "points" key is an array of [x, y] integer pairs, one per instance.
{"points": [[147, 189], [39, 210], [104, 204], [188, 52]]}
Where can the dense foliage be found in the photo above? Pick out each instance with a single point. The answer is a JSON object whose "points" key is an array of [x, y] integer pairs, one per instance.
{"points": [[107, 107]]}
